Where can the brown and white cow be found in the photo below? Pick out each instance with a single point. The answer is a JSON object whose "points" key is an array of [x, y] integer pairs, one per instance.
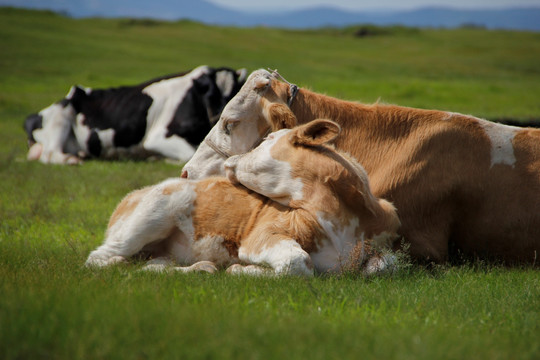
{"points": [[311, 208], [458, 182]]}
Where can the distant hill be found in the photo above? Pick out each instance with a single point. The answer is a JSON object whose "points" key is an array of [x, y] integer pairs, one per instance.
{"points": [[206, 12]]}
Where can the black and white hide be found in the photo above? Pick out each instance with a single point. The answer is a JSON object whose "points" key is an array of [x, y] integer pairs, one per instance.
{"points": [[166, 117]]}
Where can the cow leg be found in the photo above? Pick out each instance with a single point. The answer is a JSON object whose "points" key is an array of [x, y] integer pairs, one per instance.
{"points": [[159, 264], [284, 255], [140, 219], [256, 270], [164, 264], [201, 266], [54, 135], [173, 147]]}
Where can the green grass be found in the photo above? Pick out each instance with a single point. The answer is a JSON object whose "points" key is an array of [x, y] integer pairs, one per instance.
{"points": [[51, 217]]}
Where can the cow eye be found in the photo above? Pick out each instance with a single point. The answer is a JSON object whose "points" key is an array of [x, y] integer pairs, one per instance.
{"points": [[229, 126]]}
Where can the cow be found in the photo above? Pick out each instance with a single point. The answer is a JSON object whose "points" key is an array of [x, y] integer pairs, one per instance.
{"points": [[464, 187], [292, 206], [166, 117]]}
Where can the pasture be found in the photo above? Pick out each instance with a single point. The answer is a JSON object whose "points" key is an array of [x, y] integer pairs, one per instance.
{"points": [[51, 217]]}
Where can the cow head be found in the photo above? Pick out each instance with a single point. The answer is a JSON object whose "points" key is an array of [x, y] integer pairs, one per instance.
{"points": [[300, 169], [259, 107], [50, 130]]}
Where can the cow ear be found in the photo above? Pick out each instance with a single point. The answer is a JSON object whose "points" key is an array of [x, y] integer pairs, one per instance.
{"points": [[76, 92], [281, 117], [316, 132], [261, 83], [75, 96], [242, 75]]}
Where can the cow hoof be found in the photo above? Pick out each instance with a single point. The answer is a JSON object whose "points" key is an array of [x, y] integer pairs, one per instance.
{"points": [[34, 153], [98, 262], [204, 266], [73, 160], [235, 269]]}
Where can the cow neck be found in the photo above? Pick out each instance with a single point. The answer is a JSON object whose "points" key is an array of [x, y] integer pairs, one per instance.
{"points": [[309, 106]]}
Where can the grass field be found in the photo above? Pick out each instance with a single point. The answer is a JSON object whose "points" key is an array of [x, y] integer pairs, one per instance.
{"points": [[51, 307]]}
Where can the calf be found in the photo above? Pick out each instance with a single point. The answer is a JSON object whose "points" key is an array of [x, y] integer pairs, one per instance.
{"points": [[167, 117], [293, 204]]}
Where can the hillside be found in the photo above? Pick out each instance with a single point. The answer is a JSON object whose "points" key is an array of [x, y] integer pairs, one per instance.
{"points": [[309, 17], [487, 73]]}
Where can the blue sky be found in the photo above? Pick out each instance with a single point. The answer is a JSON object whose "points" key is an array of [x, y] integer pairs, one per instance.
{"points": [[371, 4]]}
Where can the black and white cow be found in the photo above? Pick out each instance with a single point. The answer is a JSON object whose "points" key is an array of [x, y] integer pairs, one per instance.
{"points": [[168, 117]]}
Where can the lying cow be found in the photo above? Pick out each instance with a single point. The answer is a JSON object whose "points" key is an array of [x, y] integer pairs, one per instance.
{"points": [[167, 117], [458, 182], [294, 204]]}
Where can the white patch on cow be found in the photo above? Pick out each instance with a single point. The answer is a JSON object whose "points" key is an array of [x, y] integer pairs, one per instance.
{"points": [[153, 217], [335, 253], [82, 132], [501, 137], [56, 126], [180, 248], [106, 137], [286, 258], [166, 95], [181, 203], [213, 162], [72, 90], [260, 172], [173, 147], [211, 248], [225, 82]]}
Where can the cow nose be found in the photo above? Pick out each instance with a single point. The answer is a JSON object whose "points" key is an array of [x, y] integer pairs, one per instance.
{"points": [[184, 174]]}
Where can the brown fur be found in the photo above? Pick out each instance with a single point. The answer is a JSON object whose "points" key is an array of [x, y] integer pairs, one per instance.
{"points": [[128, 205], [341, 183], [436, 168], [250, 219]]}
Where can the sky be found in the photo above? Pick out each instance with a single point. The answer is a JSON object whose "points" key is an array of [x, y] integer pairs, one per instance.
{"points": [[360, 5]]}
